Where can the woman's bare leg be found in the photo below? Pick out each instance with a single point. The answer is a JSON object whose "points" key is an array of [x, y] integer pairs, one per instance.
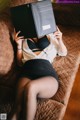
{"points": [[19, 94], [44, 87]]}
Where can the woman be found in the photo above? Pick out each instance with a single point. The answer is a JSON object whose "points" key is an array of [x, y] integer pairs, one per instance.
{"points": [[38, 78]]}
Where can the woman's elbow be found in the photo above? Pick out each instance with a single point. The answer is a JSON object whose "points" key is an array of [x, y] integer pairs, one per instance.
{"points": [[63, 53]]}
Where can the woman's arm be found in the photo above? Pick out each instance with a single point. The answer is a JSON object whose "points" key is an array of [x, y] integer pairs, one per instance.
{"points": [[62, 50], [18, 41]]}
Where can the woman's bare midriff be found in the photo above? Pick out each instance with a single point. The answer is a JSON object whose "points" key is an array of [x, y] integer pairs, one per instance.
{"points": [[37, 52]]}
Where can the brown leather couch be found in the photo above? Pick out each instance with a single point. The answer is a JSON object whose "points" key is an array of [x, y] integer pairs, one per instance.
{"points": [[66, 67]]}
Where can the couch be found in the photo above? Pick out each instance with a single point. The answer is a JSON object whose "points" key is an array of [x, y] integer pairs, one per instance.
{"points": [[66, 67]]}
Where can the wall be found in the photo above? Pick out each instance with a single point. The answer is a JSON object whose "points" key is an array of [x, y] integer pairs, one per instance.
{"points": [[68, 1]]}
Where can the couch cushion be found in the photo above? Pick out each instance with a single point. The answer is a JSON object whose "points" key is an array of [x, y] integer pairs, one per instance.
{"points": [[6, 50], [7, 58], [67, 67], [49, 110]]}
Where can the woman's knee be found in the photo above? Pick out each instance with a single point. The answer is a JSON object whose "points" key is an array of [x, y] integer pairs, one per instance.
{"points": [[49, 89], [56, 85], [22, 82]]}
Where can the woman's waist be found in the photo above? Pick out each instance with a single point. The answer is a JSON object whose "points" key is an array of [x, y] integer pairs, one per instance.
{"points": [[37, 61], [37, 64]]}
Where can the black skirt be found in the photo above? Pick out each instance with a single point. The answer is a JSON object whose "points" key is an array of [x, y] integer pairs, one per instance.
{"points": [[36, 68]]}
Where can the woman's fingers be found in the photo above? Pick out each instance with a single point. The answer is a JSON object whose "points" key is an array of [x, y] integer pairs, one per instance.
{"points": [[58, 29], [18, 33], [58, 34], [58, 37], [20, 39], [17, 38]]}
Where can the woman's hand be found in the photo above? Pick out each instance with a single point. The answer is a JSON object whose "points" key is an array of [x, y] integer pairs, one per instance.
{"points": [[58, 34], [18, 39]]}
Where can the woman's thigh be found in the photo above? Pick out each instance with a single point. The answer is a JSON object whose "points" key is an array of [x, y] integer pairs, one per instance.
{"points": [[20, 87], [46, 87]]}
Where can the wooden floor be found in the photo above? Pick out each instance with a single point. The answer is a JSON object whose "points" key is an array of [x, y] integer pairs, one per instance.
{"points": [[73, 109]]}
